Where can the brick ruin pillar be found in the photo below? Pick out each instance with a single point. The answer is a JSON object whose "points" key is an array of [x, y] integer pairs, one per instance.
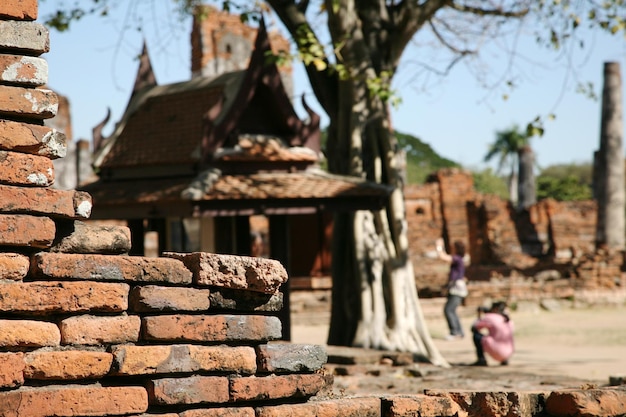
{"points": [[609, 163]]}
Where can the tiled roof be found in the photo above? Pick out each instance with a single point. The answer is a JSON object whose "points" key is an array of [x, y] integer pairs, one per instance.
{"points": [[302, 189]]}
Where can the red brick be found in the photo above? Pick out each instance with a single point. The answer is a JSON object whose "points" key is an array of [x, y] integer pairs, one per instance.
{"points": [[69, 401], [69, 204], [192, 390], [201, 328], [22, 69], [219, 412], [156, 298], [236, 272], [275, 386], [63, 297], [290, 357], [420, 405], [13, 266], [32, 139], [28, 102], [109, 268], [144, 360], [24, 169], [487, 404], [87, 238], [11, 370], [27, 36], [345, 407], [67, 365], [25, 230], [28, 333], [589, 402], [91, 330], [19, 9]]}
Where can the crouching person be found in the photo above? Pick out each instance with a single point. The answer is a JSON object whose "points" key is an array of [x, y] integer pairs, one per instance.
{"points": [[493, 334]]}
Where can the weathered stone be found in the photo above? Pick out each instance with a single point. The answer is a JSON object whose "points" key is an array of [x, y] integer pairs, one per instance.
{"points": [[236, 272], [71, 204], [79, 237], [18, 9], [13, 266], [62, 297], [145, 360], [219, 412], [587, 402], [288, 357], [27, 102], [253, 388], [32, 139], [11, 370], [156, 298], [26, 231], [92, 330], [492, 404], [28, 333], [24, 169], [109, 268], [344, 407], [21, 69], [421, 405], [191, 390], [201, 328], [242, 300], [29, 37], [66, 365], [91, 400]]}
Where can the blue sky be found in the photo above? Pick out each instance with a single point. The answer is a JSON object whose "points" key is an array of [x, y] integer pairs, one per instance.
{"points": [[94, 65]]}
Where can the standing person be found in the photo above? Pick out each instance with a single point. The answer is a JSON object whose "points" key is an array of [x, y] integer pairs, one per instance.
{"points": [[497, 339], [456, 288]]}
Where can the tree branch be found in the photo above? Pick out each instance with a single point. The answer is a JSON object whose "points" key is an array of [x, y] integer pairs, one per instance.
{"points": [[487, 12]]}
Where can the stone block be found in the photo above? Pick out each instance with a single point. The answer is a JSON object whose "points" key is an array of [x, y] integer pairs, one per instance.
{"points": [[24, 169], [93, 330], [273, 387], [235, 272], [344, 407], [28, 333], [191, 390], [494, 403], [31, 103], [289, 357], [242, 300], [219, 412], [11, 370], [26, 231], [30, 37], [26, 70], [84, 238], [219, 328], [420, 405], [90, 400], [109, 268], [19, 9], [32, 139], [39, 298], [66, 365], [147, 360], [13, 266], [154, 298], [608, 402], [70, 204]]}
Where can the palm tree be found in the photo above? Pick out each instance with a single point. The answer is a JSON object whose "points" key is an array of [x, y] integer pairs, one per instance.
{"points": [[507, 146]]}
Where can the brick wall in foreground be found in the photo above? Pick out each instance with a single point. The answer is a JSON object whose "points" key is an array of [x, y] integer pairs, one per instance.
{"points": [[86, 330]]}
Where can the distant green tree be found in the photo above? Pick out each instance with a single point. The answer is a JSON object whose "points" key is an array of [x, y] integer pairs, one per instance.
{"points": [[565, 182], [421, 159], [506, 147], [488, 182]]}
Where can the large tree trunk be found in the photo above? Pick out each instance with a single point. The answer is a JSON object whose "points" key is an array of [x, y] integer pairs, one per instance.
{"points": [[527, 194], [610, 163]]}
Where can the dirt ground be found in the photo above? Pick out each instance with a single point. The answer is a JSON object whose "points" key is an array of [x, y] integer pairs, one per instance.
{"points": [[554, 349]]}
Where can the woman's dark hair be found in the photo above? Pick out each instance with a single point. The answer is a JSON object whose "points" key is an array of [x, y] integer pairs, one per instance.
{"points": [[459, 248], [499, 307]]}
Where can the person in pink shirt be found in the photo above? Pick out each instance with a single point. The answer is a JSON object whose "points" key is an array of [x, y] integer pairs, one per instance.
{"points": [[493, 334]]}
